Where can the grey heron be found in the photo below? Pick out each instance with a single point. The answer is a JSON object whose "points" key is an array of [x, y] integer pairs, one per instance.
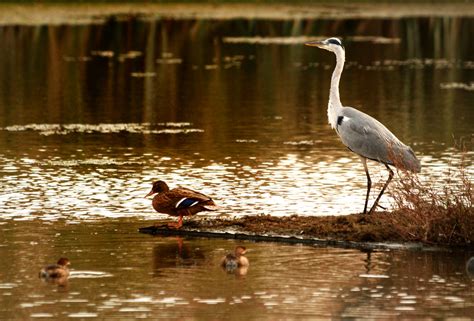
{"points": [[361, 133]]}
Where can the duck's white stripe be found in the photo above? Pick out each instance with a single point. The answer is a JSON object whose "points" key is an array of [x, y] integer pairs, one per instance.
{"points": [[182, 200]]}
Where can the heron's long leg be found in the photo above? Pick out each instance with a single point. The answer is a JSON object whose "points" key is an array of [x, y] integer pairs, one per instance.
{"points": [[390, 176], [369, 182]]}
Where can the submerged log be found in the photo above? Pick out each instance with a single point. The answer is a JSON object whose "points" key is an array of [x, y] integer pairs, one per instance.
{"points": [[163, 230]]}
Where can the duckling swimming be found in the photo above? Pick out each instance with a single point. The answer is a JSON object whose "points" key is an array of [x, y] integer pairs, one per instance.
{"points": [[233, 261], [56, 271]]}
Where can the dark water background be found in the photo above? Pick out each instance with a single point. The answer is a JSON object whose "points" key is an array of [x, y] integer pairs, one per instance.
{"points": [[91, 114]]}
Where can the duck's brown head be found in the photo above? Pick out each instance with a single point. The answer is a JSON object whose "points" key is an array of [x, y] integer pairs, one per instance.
{"points": [[158, 187], [240, 250], [64, 262]]}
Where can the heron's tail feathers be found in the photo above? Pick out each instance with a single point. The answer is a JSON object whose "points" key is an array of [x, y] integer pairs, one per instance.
{"points": [[405, 159], [412, 163]]}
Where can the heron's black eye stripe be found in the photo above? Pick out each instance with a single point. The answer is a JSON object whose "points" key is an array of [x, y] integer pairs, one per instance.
{"points": [[334, 42]]}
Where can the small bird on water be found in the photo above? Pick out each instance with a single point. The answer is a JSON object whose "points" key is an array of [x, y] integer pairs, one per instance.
{"points": [[361, 133], [233, 261], [179, 201], [56, 271]]}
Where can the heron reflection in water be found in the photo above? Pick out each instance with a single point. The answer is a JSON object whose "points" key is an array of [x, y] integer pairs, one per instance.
{"points": [[361, 133]]}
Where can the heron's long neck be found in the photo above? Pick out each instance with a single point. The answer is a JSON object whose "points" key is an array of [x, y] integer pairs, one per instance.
{"points": [[335, 105]]}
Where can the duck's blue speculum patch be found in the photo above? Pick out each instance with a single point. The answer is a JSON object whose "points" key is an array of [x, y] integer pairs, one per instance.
{"points": [[186, 202]]}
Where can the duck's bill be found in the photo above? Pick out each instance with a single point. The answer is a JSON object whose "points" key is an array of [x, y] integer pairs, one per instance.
{"points": [[149, 194], [315, 43]]}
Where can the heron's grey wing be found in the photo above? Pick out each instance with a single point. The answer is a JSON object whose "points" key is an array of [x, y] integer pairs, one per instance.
{"points": [[363, 141], [367, 137]]}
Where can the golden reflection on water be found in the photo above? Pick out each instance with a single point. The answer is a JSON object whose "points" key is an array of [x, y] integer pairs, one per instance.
{"points": [[97, 182], [119, 273]]}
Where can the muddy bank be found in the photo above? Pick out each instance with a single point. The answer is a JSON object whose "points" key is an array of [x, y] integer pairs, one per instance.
{"points": [[356, 230], [86, 13]]}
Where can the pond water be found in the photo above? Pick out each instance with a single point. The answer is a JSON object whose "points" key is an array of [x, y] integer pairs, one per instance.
{"points": [[92, 112], [118, 273]]}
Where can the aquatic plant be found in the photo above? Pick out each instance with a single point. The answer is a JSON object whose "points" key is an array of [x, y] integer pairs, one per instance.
{"points": [[435, 210]]}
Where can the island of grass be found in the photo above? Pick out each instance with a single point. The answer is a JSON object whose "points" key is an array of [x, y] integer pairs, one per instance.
{"points": [[425, 213]]}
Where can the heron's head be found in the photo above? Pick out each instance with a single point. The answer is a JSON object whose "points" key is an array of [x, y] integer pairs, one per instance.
{"points": [[331, 44]]}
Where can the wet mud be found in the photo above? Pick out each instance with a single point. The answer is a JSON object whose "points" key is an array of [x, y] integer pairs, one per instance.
{"points": [[354, 231]]}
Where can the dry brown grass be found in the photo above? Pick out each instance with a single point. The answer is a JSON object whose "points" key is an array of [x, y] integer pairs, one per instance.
{"points": [[437, 211]]}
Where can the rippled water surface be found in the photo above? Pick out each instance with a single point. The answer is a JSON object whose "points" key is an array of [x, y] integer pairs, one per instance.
{"points": [[92, 113], [118, 273]]}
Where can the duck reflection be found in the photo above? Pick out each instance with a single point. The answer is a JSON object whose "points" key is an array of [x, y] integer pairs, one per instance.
{"points": [[175, 253], [470, 267], [236, 263]]}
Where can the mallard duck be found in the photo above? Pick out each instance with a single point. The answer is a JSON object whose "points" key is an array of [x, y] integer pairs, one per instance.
{"points": [[59, 270], [233, 261], [179, 201]]}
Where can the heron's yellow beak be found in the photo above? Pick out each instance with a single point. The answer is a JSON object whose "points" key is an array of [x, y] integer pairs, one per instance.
{"points": [[317, 43]]}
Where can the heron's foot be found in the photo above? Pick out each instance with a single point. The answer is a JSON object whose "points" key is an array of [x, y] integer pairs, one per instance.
{"points": [[372, 209]]}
